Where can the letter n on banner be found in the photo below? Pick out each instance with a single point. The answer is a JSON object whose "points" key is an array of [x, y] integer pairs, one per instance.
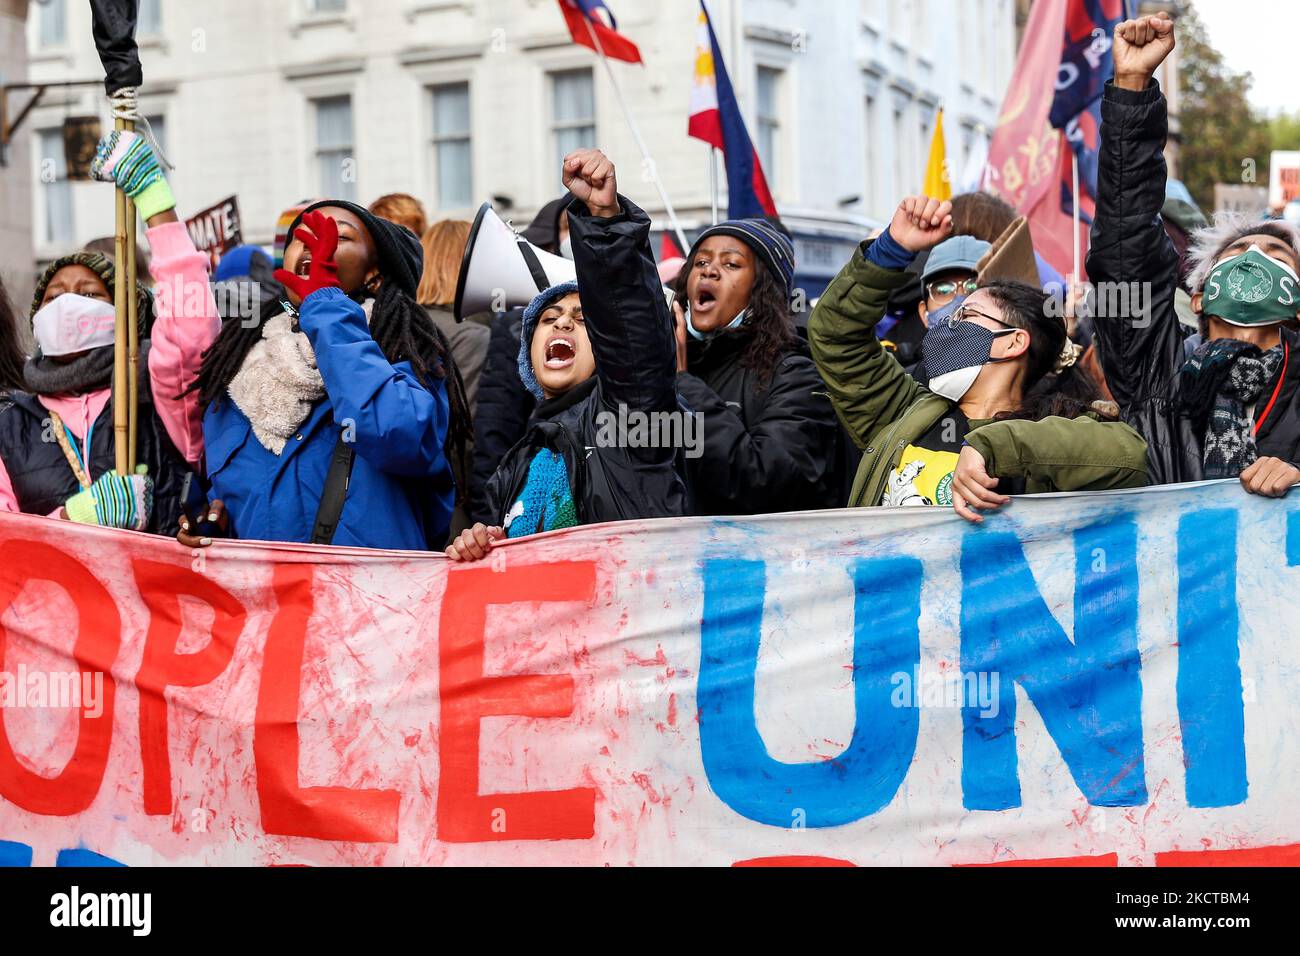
{"points": [[467, 696], [1089, 693]]}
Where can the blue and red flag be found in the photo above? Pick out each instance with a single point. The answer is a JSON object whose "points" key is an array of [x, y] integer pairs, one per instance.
{"points": [[716, 119], [1087, 62], [583, 18]]}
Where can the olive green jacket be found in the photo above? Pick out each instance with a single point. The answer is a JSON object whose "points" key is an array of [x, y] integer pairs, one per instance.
{"points": [[885, 410]]}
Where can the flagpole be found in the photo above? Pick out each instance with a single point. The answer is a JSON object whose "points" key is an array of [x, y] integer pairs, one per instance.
{"points": [[636, 135], [713, 181], [1075, 167]]}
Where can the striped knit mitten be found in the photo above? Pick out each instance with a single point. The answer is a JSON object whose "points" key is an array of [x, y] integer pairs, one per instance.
{"points": [[127, 159], [114, 501]]}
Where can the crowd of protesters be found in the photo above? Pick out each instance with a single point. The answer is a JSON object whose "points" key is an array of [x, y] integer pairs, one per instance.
{"points": [[946, 365]]}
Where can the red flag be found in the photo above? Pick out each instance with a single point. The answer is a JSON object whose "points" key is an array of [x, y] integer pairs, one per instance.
{"points": [[1023, 153], [668, 248], [1050, 226], [583, 21]]}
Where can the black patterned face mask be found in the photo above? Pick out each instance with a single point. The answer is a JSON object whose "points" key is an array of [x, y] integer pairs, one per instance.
{"points": [[955, 351]]}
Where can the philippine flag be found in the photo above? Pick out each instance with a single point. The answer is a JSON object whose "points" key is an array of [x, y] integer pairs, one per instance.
{"points": [[716, 119], [588, 29]]}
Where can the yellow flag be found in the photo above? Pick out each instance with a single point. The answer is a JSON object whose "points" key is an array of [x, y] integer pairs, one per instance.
{"points": [[937, 185]]}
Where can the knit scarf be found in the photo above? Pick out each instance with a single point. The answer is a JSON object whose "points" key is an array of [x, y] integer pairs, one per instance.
{"points": [[278, 383], [86, 373], [546, 503], [1219, 386]]}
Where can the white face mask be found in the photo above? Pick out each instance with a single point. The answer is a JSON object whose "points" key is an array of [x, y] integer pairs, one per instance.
{"points": [[73, 323], [566, 248], [954, 385]]}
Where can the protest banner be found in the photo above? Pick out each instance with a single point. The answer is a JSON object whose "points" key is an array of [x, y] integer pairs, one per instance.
{"points": [[1103, 679], [217, 229]]}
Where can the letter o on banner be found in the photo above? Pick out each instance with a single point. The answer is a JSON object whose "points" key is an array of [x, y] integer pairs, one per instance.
{"points": [[99, 634]]}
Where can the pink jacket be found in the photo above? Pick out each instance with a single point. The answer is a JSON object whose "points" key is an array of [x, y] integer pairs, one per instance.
{"points": [[185, 324]]}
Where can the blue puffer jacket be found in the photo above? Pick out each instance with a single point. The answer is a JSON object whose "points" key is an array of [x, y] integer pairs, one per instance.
{"points": [[401, 493]]}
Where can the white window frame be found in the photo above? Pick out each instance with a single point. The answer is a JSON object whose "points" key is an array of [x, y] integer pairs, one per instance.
{"points": [[775, 161], [160, 27], [555, 126], [317, 152], [784, 180], [45, 241], [435, 139], [38, 38]]}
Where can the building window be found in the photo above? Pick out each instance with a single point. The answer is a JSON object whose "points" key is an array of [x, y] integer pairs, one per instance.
{"points": [[902, 139], [334, 160], [56, 191], [452, 155], [149, 23], [573, 113], [769, 121], [873, 154], [52, 22]]}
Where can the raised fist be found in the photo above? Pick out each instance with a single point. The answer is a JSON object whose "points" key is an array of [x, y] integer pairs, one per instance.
{"points": [[1141, 45], [589, 175], [921, 223]]}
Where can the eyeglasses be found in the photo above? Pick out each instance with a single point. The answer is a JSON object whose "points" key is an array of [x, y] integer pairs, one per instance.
{"points": [[960, 315], [946, 290]]}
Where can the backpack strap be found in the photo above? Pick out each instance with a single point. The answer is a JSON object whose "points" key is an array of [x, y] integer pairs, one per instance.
{"points": [[335, 492]]}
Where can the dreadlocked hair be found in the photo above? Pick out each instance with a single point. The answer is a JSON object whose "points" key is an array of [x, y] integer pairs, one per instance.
{"points": [[405, 333], [400, 327], [769, 326]]}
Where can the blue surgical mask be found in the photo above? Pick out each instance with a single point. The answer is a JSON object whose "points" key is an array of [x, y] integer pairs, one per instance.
{"points": [[699, 336]]}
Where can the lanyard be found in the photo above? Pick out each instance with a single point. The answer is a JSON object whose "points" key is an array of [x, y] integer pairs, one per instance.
{"points": [[68, 442]]}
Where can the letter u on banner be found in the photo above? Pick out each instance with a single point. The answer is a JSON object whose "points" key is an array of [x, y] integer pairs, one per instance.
{"points": [[862, 779]]}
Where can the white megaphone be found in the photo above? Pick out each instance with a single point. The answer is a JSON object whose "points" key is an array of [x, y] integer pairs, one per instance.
{"points": [[502, 270]]}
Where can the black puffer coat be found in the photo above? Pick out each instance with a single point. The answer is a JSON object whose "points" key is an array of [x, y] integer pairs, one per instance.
{"points": [[631, 334], [766, 449], [503, 411], [1142, 353]]}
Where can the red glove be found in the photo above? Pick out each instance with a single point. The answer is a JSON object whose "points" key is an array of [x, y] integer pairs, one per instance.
{"points": [[320, 234]]}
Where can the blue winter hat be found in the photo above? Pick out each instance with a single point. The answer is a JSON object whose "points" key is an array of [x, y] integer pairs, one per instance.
{"points": [[531, 315], [238, 263], [769, 243]]}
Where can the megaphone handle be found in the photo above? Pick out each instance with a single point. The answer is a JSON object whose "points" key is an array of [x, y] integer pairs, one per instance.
{"points": [[534, 265]]}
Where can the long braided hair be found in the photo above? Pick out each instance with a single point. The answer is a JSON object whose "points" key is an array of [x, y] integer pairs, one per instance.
{"points": [[401, 328]]}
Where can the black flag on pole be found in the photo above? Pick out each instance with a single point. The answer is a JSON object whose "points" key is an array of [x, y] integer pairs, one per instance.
{"points": [[114, 27]]}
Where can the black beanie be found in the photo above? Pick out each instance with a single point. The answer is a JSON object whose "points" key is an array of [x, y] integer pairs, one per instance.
{"points": [[401, 257]]}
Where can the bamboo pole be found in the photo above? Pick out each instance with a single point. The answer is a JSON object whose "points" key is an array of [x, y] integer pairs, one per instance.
{"points": [[132, 336], [121, 408]]}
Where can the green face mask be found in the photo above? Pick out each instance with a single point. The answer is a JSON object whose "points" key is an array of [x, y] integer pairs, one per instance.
{"points": [[1252, 289]]}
